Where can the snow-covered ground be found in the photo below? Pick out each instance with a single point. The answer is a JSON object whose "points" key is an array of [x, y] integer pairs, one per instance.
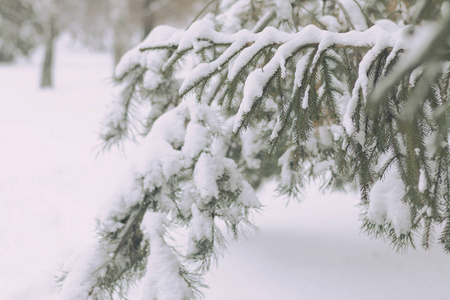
{"points": [[52, 186]]}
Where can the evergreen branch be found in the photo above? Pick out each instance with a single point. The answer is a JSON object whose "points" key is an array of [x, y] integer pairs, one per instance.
{"points": [[264, 21], [422, 55]]}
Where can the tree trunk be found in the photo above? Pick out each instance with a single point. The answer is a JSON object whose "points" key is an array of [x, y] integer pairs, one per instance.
{"points": [[47, 65]]}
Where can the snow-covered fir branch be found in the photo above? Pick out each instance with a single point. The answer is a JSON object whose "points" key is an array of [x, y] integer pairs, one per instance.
{"points": [[340, 91]]}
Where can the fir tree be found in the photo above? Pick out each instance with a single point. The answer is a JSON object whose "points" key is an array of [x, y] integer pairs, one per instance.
{"points": [[338, 91]]}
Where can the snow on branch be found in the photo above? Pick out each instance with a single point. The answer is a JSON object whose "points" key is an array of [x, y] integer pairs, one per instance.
{"points": [[305, 92], [243, 46]]}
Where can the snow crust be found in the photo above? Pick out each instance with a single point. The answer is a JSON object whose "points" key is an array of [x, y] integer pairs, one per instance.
{"points": [[163, 280]]}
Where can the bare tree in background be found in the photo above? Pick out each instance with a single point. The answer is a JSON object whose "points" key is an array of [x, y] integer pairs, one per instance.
{"points": [[53, 17], [51, 33], [115, 25], [17, 30]]}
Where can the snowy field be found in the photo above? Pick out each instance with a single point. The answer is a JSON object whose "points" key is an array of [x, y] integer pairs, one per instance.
{"points": [[52, 186]]}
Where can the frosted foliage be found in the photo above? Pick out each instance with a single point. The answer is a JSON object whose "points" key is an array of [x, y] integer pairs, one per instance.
{"points": [[163, 280], [205, 69], [254, 88], [362, 82], [197, 138], [79, 282], [219, 146], [233, 214], [205, 115], [85, 269], [153, 61], [235, 178], [200, 229], [179, 140], [207, 170], [128, 194], [268, 36], [376, 37], [386, 203], [157, 155], [300, 69], [248, 197]]}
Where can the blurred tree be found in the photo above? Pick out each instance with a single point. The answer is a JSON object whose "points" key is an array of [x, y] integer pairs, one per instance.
{"points": [[25, 24], [17, 29], [50, 35], [53, 17], [100, 24]]}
